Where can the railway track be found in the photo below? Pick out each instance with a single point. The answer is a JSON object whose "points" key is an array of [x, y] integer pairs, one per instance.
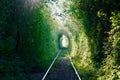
{"points": [[71, 63]]}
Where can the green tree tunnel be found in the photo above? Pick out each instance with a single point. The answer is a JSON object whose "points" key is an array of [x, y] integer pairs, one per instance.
{"points": [[30, 33]]}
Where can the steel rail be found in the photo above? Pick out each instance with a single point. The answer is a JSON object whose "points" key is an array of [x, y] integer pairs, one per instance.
{"points": [[76, 72], [51, 65]]}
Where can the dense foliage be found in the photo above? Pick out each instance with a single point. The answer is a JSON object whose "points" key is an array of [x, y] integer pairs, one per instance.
{"points": [[27, 43], [28, 39], [101, 24]]}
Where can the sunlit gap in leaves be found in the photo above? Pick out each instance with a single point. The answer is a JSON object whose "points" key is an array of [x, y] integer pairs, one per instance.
{"points": [[58, 10]]}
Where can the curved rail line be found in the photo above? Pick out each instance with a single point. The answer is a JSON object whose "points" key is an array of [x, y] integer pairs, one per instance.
{"points": [[76, 72]]}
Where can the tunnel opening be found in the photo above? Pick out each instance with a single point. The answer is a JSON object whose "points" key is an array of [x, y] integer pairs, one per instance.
{"points": [[63, 40]]}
